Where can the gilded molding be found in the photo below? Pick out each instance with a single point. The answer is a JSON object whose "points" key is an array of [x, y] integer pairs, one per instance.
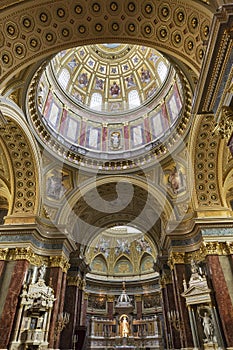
{"points": [[217, 248], [224, 127], [3, 253], [25, 254], [59, 261]]}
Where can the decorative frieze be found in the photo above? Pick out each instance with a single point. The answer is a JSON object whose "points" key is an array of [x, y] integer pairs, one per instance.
{"points": [[23, 253]]}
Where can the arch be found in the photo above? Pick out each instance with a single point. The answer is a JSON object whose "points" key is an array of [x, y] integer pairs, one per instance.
{"points": [[99, 264], [207, 176], [84, 23], [123, 265], [146, 263], [25, 164], [158, 202]]}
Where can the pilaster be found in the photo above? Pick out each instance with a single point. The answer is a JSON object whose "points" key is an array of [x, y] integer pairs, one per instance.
{"points": [[57, 277], [110, 304], [13, 280]]}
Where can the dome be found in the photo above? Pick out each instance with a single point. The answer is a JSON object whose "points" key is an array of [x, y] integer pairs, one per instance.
{"points": [[106, 105], [110, 79]]}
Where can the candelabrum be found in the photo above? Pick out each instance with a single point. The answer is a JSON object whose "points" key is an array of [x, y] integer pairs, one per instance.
{"points": [[174, 318], [62, 320]]}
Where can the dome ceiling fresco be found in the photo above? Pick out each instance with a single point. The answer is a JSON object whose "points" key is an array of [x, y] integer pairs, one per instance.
{"points": [[111, 78], [110, 101]]}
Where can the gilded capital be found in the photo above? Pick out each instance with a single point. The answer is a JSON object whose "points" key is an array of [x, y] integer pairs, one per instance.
{"points": [[86, 295], [74, 281], [3, 253], [59, 261], [138, 298], [217, 248], [176, 258], [110, 298], [25, 254]]}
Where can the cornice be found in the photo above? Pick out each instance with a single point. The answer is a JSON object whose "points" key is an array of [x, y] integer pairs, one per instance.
{"points": [[49, 242]]}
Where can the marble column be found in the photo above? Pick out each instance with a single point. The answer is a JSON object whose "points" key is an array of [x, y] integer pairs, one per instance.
{"points": [[138, 299], [71, 306], [61, 304], [110, 304], [185, 332], [223, 299], [13, 278], [57, 283]]}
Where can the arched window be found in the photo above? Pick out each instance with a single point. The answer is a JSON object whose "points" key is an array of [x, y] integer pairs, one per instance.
{"points": [[134, 100], [162, 70], [64, 78], [96, 101]]}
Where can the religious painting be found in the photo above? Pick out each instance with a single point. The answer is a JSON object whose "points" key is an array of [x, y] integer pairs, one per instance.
{"points": [[115, 89], [151, 301], [115, 140], [97, 302], [145, 75], [99, 265], [123, 266], [83, 80], [147, 264], [57, 183], [176, 179]]}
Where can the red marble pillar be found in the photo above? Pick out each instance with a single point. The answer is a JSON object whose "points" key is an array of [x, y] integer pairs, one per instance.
{"points": [[110, 301], [71, 306], [57, 283], [222, 296], [186, 332], [13, 280], [138, 300]]}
